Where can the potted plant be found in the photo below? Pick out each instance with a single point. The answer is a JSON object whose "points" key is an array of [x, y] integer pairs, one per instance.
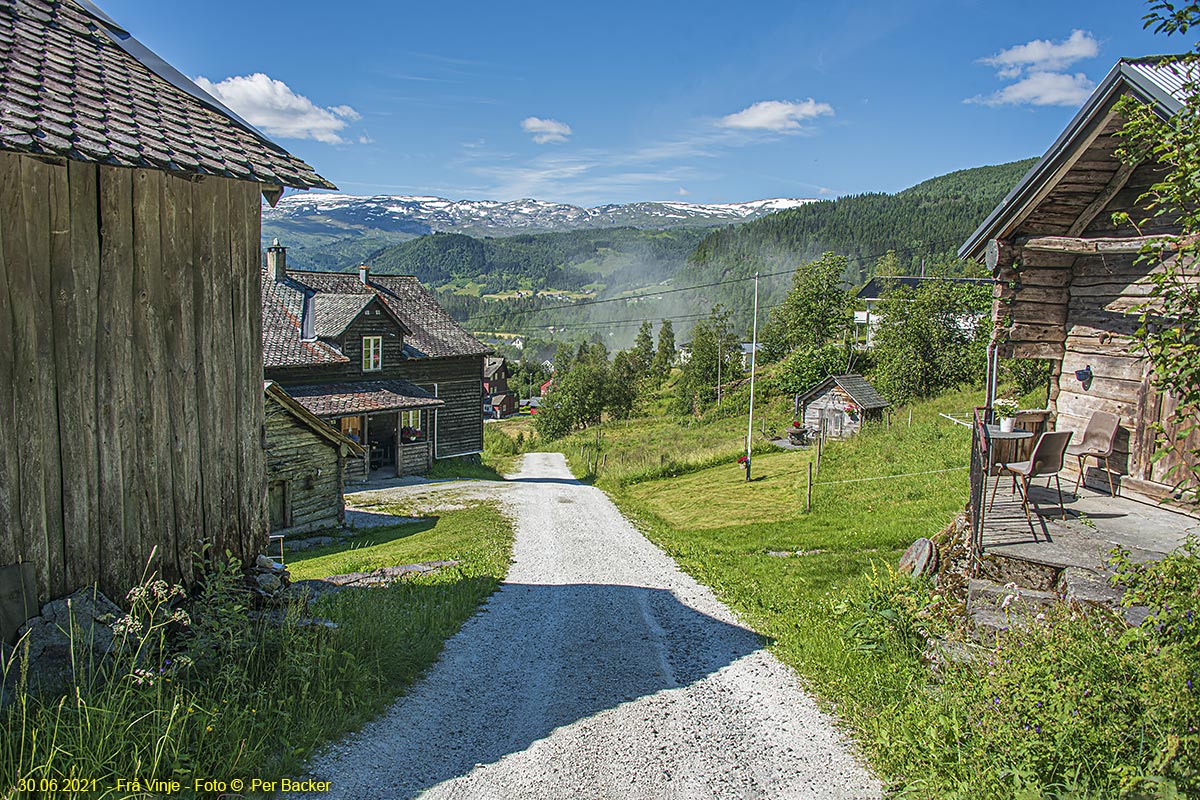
{"points": [[1006, 410]]}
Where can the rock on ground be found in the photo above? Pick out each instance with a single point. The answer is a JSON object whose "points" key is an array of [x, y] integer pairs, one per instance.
{"points": [[599, 669]]}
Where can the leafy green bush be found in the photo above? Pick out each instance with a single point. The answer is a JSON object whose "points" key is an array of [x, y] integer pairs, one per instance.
{"points": [[1072, 704]]}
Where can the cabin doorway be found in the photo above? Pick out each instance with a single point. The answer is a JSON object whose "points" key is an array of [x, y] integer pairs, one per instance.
{"points": [[381, 442]]}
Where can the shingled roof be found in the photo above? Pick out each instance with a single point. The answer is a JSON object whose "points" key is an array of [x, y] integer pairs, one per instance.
{"points": [[73, 83], [862, 393], [431, 332], [362, 397]]}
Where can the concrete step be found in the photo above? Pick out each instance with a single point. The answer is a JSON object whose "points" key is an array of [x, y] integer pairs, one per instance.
{"points": [[985, 595]]}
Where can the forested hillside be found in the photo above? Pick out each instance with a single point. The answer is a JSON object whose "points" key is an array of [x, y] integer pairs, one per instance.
{"points": [[929, 220], [614, 257]]}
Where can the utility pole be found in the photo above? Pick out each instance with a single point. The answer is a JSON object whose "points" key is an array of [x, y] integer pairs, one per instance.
{"points": [[753, 360], [720, 357]]}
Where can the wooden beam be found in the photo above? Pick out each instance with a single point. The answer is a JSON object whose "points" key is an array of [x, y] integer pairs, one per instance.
{"points": [[1115, 185], [1105, 245]]}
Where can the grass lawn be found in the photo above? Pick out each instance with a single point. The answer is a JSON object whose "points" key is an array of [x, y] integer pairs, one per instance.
{"points": [[232, 694], [722, 530], [470, 535]]}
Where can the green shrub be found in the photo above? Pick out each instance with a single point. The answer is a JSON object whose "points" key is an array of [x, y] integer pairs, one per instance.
{"points": [[1072, 704]]}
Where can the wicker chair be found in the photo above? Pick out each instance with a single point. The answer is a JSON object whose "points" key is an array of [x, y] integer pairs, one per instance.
{"points": [[1099, 439], [1045, 460]]}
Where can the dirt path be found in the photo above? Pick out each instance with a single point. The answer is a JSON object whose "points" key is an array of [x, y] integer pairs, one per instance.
{"points": [[598, 670]]}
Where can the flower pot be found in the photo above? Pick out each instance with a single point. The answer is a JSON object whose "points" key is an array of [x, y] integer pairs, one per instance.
{"points": [[1007, 424]]}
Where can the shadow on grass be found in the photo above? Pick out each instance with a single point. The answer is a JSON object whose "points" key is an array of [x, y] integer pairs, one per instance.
{"points": [[541, 657], [368, 537]]}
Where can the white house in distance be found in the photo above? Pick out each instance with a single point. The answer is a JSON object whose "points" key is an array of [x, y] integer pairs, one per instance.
{"points": [[878, 288]]}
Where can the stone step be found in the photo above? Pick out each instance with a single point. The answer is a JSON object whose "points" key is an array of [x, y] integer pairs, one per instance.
{"points": [[1088, 586], [985, 595]]}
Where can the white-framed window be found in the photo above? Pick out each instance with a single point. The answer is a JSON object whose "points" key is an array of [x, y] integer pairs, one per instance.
{"points": [[410, 427], [372, 353]]}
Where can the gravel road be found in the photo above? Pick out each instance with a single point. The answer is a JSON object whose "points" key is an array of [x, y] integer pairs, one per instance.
{"points": [[598, 670]]}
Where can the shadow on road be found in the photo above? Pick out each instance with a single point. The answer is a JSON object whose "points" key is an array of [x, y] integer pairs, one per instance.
{"points": [[563, 481], [538, 658]]}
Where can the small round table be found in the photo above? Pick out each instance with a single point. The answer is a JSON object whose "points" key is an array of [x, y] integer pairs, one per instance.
{"points": [[1006, 440]]}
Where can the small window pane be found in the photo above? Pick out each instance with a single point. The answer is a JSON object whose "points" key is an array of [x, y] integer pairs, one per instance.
{"points": [[372, 353]]}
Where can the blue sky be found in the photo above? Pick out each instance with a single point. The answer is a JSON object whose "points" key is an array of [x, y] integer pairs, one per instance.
{"points": [[613, 102]]}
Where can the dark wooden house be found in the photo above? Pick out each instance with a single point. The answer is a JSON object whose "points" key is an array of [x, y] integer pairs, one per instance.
{"points": [[377, 357], [306, 460], [497, 395], [1070, 283], [130, 370], [839, 405]]}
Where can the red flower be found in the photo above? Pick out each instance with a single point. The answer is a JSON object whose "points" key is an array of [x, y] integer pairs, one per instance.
{"points": [[795, 423]]}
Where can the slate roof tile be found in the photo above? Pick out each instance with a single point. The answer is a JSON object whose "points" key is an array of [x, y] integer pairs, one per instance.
{"points": [[65, 79], [363, 397], [432, 333]]}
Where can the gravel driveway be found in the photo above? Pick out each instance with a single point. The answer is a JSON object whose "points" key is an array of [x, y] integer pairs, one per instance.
{"points": [[598, 670]]}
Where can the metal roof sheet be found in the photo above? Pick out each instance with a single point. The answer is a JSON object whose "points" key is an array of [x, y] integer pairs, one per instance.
{"points": [[1152, 79]]}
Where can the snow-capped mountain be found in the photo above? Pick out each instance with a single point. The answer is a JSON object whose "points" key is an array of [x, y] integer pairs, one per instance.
{"points": [[337, 215]]}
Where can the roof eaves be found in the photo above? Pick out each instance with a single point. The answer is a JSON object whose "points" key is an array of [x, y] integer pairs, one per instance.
{"points": [[312, 421], [1017, 199]]}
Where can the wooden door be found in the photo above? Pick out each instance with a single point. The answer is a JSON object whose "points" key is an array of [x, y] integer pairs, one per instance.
{"points": [[1157, 430], [277, 504]]}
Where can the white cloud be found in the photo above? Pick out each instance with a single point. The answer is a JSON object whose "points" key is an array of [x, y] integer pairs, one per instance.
{"points": [[1037, 69], [682, 192], [776, 115], [346, 112], [1042, 89], [272, 105], [546, 131], [1043, 55]]}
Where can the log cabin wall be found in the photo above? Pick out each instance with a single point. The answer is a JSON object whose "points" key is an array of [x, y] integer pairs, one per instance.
{"points": [[309, 466], [1081, 310], [132, 388]]}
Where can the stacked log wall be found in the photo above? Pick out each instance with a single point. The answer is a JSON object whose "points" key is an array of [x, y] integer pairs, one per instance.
{"points": [[309, 465], [132, 386]]}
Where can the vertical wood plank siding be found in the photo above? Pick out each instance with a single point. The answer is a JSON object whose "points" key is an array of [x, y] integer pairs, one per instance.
{"points": [[133, 382]]}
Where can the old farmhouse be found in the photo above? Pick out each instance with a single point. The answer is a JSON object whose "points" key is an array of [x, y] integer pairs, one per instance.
{"points": [[1070, 283], [499, 401], [131, 375], [377, 357]]}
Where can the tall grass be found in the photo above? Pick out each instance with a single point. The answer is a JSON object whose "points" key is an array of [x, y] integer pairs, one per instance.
{"points": [[203, 687]]}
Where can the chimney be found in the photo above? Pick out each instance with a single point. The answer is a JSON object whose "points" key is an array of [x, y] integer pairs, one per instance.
{"points": [[364, 272], [277, 261]]}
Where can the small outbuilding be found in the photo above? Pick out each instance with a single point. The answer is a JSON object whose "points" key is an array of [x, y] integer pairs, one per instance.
{"points": [[306, 460], [840, 404]]}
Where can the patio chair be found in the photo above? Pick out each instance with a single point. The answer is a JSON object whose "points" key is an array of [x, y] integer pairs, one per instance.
{"points": [[1099, 439], [1046, 460]]}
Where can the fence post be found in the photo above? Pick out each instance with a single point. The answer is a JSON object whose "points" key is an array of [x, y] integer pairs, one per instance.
{"points": [[808, 498], [820, 445]]}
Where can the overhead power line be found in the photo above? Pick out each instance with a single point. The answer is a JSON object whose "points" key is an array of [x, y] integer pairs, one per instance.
{"points": [[475, 318]]}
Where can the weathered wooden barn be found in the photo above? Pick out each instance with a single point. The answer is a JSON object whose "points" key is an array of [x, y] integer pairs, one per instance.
{"points": [[376, 356], [1070, 283], [306, 458], [131, 371], [839, 405]]}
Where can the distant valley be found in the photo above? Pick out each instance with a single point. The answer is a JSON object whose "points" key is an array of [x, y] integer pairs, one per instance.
{"points": [[517, 267], [330, 231]]}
